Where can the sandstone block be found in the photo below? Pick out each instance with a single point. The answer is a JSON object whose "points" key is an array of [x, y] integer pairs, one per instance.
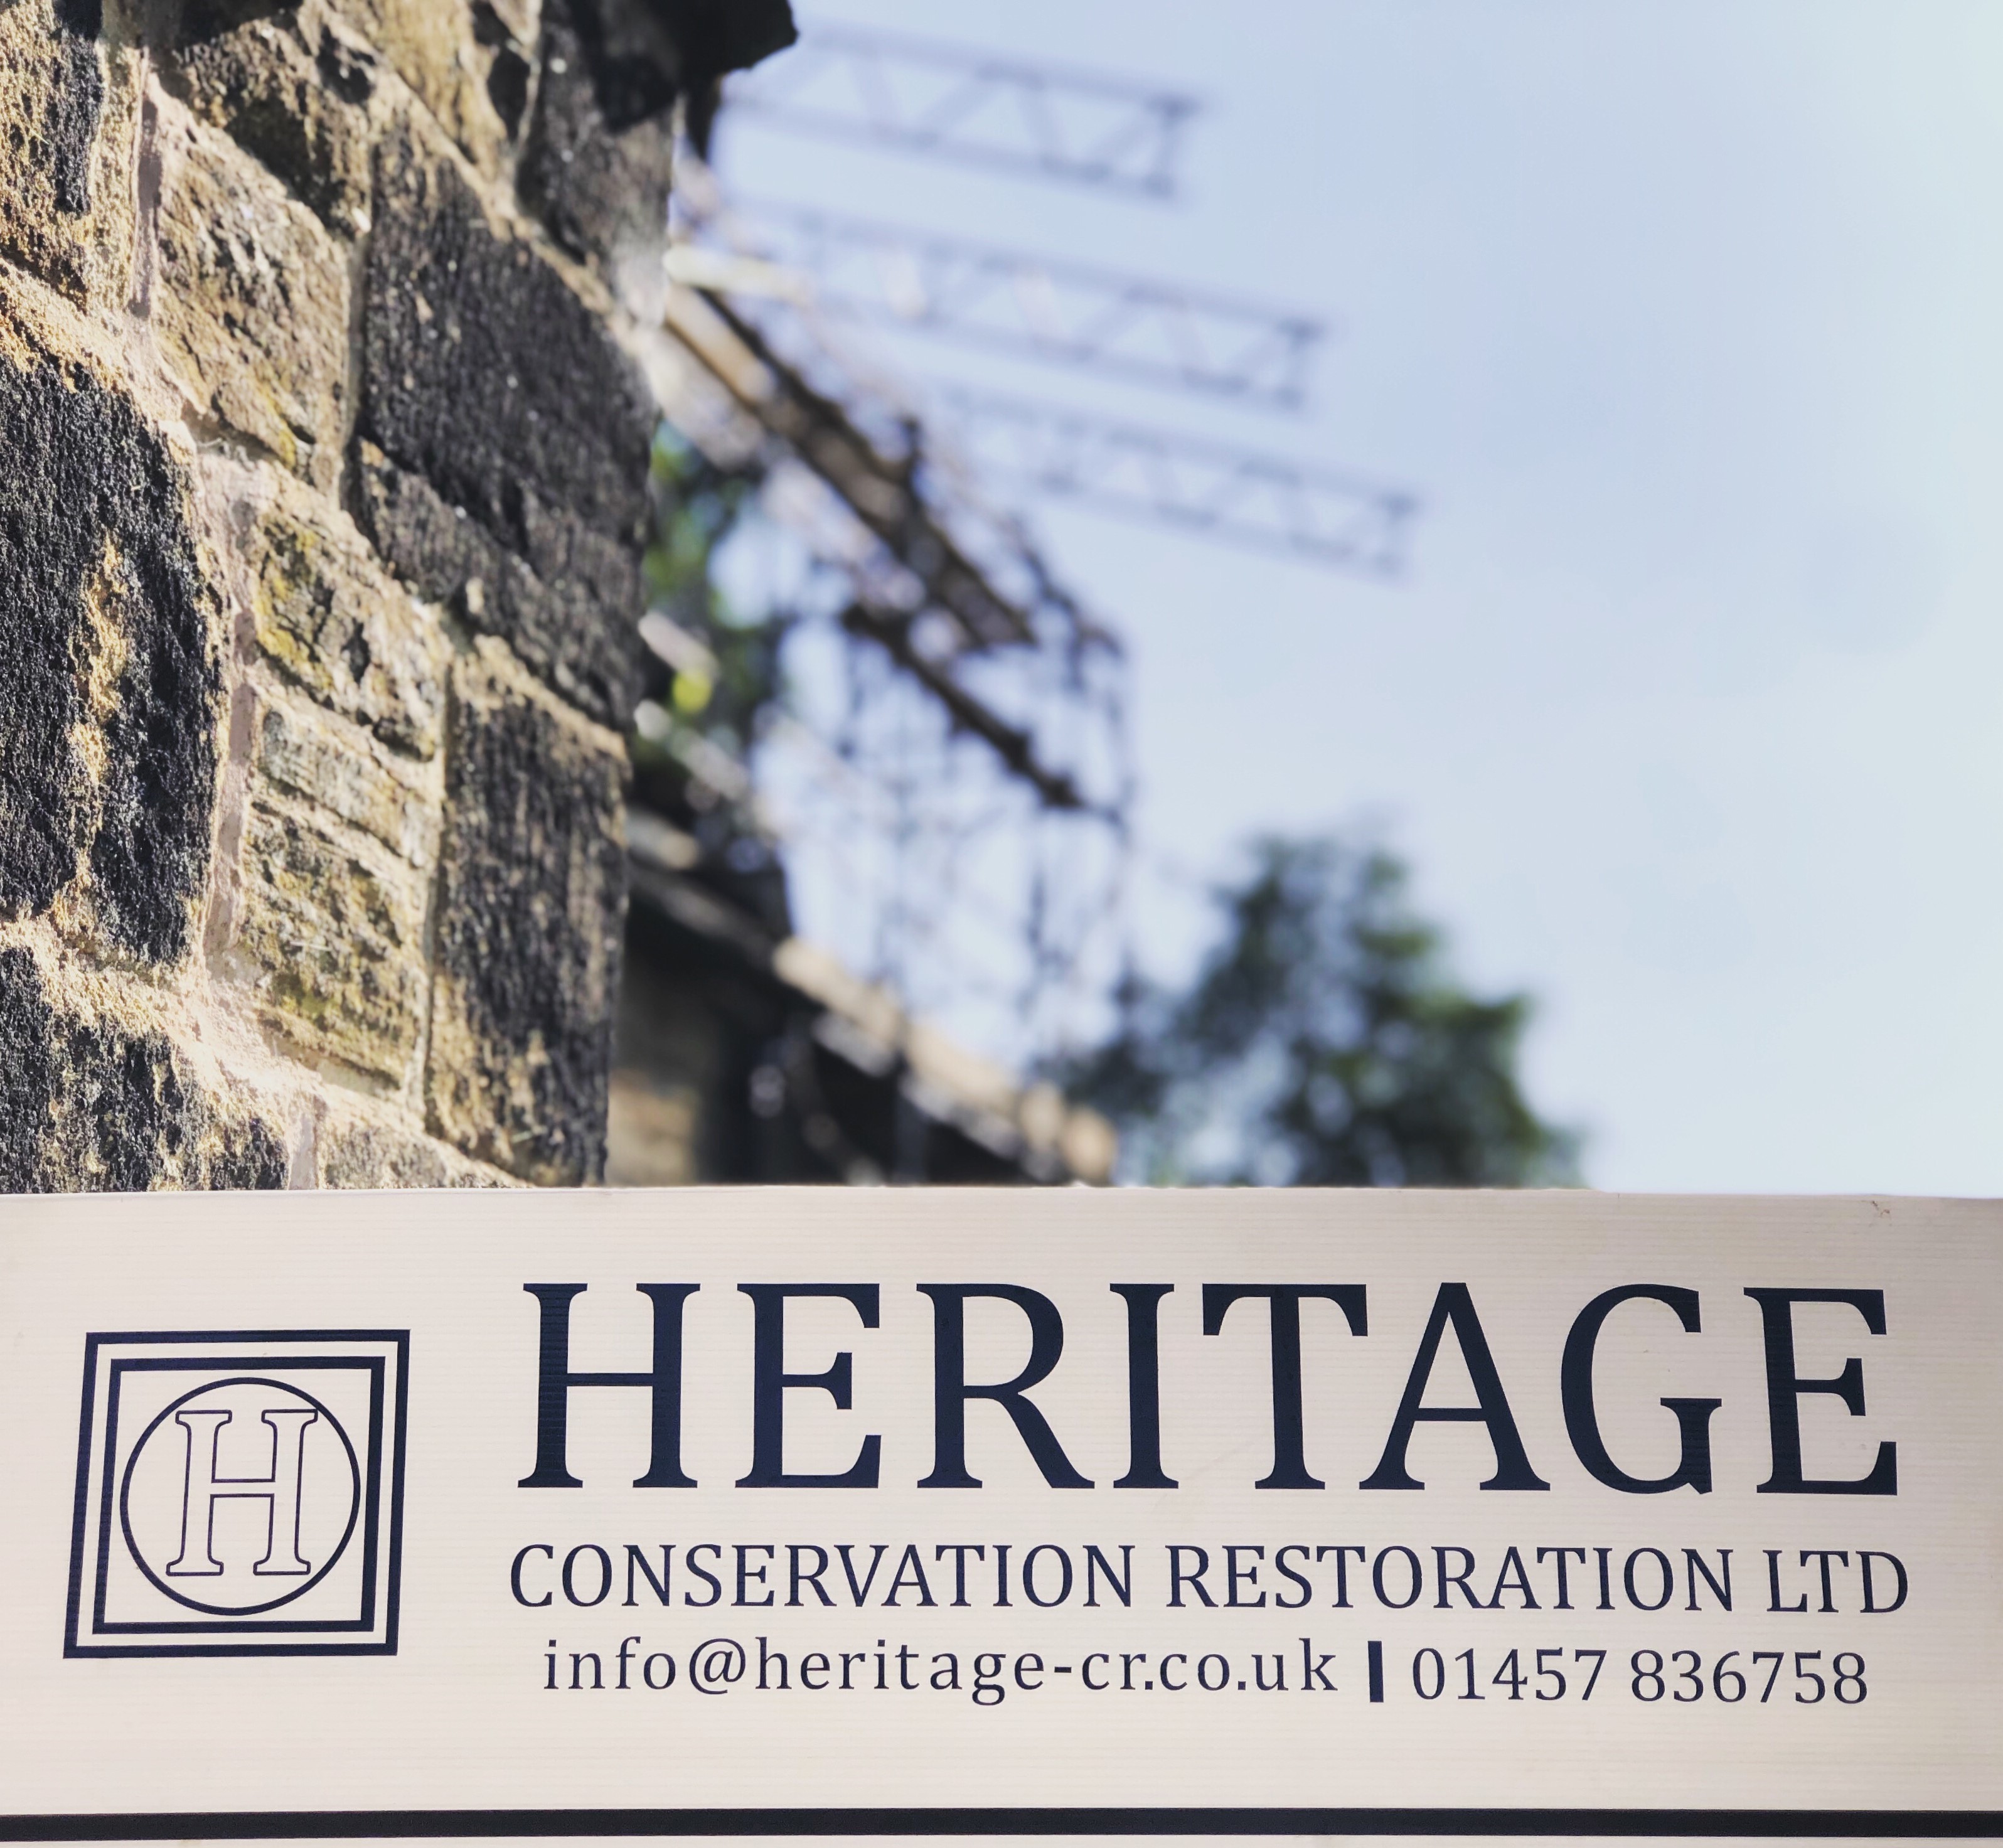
{"points": [[66, 117], [461, 59], [294, 90], [335, 931], [486, 378], [96, 1105], [530, 909], [359, 1151], [333, 622], [250, 303], [109, 676], [375, 793]]}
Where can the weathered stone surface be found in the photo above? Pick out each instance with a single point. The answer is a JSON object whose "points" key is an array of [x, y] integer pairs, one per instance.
{"points": [[375, 794], [573, 626], [600, 156], [487, 378], [529, 918], [359, 1151], [460, 58], [324, 190], [108, 672], [90, 1106], [337, 932], [293, 91], [64, 132], [333, 621], [250, 302]]}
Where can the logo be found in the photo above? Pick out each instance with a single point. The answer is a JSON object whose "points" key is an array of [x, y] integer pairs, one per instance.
{"points": [[239, 1494]]}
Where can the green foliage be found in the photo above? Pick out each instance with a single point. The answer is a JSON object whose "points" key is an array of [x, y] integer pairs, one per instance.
{"points": [[1323, 1043], [696, 509]]}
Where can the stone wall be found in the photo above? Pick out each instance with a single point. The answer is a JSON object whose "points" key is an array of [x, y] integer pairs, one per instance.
{"points": [[323, 481]]}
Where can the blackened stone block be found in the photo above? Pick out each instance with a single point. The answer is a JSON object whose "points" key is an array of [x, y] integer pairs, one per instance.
{"points": [[568, 613], [90, 1107], [108, 674], [528, 929], [600, 158], [483, 371], [484, 377]]}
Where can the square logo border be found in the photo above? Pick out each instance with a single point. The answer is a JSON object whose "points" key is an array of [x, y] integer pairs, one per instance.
{"points": [[390, 1421], [375, 1366]]}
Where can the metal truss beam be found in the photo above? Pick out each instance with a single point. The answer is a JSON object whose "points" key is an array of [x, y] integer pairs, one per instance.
{"points": [[1158, 332], [877, 488], [913, 518], [1211, 490], [892, 630], [919, 96]]}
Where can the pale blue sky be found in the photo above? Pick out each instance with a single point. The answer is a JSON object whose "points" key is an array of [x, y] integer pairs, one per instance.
{"points": [[1685, 319]]}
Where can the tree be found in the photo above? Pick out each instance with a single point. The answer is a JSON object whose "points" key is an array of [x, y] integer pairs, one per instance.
{"points": [[1322, 1043], [723, 687]]}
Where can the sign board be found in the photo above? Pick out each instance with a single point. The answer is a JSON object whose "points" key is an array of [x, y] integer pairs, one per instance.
{"points": [[787, 1511]]}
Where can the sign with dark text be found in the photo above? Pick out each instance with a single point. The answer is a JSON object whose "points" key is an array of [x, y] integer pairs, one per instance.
{"points": [[1084, 1512]]}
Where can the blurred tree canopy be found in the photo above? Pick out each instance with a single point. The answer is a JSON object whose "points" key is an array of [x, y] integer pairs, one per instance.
{"points": [[1322, 1042], [712, 679], [696, 509]]}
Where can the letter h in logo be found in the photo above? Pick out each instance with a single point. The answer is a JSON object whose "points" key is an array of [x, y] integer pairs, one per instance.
{"points": [[202, 1488], [239, 1494]]}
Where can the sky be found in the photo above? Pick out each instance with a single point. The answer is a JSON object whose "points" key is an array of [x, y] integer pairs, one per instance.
{"points": [[1686, 323]]}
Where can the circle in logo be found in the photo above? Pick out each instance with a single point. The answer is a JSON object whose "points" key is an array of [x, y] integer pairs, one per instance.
{"points": [[240, 1497]]}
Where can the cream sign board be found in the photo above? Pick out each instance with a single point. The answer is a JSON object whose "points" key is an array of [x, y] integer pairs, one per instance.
{"points": [[790, 1512]]}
